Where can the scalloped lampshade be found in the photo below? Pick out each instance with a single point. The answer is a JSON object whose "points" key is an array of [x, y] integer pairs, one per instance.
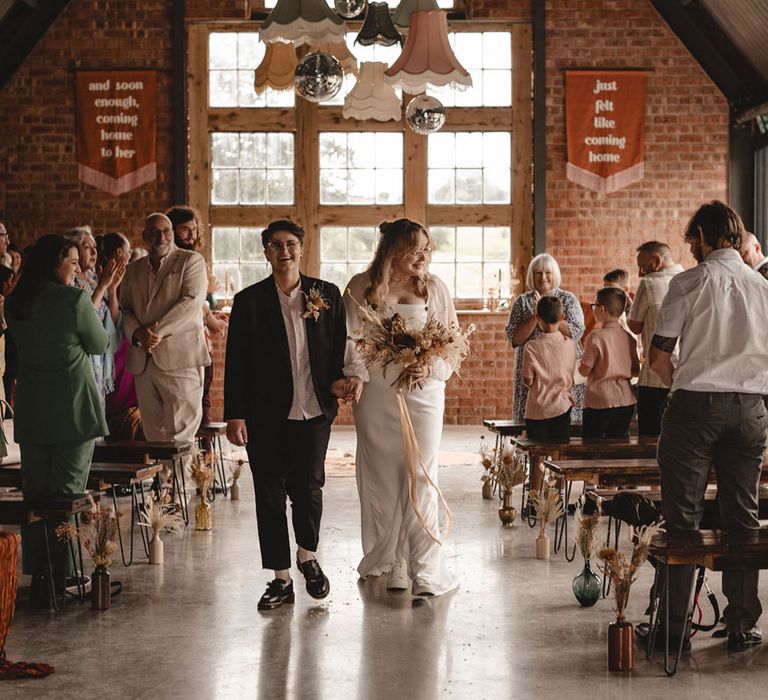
{"points": [[300, 22], [427, 57], [276, 68], [371, 97], [341, 51], [402, 14], [377, 27]]}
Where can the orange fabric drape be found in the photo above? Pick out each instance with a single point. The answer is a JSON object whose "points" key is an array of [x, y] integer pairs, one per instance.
{"points": [[605, 128]]}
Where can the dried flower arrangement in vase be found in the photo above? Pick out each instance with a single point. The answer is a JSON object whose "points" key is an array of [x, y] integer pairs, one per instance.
{"points": [[234, 489], [487, 454], [203, 476], [98, 534], [549, 507], [160, 515], [586, 585], [511, 472], [623, 574]]}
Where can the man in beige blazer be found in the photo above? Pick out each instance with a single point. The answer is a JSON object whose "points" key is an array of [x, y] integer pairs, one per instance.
{"points": [[161, 297]]}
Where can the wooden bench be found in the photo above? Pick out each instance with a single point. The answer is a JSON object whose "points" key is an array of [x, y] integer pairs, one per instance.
{"points": [[711, 549], [17, 510], [213, 432], [138, 452]]}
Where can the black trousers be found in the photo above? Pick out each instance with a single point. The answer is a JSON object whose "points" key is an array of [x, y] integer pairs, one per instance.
{"points": [[557, 429], [650, 408], [607, 422], [288, 459], [725, 431]]}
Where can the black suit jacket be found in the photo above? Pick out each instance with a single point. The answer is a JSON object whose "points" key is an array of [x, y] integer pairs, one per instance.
{"points": [[258, 381]]}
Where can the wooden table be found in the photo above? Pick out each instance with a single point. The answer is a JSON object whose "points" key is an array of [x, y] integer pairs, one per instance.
{"points": [[579, 448], [711, 549]]}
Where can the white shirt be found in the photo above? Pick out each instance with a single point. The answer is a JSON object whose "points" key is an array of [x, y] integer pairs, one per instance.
{"points": [[304, 404], [718, 310], [650, 293]]}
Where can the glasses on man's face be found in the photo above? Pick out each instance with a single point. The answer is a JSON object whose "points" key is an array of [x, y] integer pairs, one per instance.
{"points": [[421, 252], [290, 246], [596, 306]]}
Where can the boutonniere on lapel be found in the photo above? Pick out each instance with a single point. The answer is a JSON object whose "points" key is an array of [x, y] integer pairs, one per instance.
{"points": [[314, 303]]}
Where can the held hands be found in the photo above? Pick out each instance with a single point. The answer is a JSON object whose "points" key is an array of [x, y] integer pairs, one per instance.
{"points": [[148, 337], [237, 433], [348, 389], [417, 372]]}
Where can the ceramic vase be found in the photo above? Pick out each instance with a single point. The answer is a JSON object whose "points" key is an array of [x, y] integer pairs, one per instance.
{"points": [[100, 589], [156, 549], [234, 490], [620, 649], [542, 545], [586, 586]]}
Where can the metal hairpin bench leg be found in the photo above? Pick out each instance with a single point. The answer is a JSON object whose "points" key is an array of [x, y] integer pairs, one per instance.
{"points": [[129, 561], [135, 505], [49, 559], [222, 470], [563, 533], [180, 490]]}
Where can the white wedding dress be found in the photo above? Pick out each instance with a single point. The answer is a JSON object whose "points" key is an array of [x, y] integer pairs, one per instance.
{"points": [[390, 530]]}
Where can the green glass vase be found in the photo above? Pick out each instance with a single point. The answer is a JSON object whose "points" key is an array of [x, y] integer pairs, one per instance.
{"points": [[586, 586]]}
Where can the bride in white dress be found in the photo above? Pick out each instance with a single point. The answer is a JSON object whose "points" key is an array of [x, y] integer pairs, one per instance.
{"points": [[394, 542]]}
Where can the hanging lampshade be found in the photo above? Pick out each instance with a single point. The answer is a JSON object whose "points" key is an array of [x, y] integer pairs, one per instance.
{"points": [[300, 22], [402, 14], [341, 51], [377, 27], [371, 97], [427, 57], [276, 68]]}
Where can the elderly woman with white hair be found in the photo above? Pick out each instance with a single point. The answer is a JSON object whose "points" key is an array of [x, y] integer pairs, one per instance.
{"points": [[542, 279]]}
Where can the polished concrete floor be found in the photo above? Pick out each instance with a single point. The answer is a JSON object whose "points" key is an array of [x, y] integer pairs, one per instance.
{"points": [[190, 628]]}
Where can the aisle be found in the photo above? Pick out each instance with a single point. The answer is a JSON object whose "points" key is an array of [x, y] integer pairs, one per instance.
{"points": [[191, 630]]}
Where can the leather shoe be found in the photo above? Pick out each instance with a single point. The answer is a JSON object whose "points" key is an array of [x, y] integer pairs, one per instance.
{"points": [[739, 641], [277, 593], [642, 631], [318, 585], [422, 589], [398, 577]]}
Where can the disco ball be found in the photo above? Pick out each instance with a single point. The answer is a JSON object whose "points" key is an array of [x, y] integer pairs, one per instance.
{"points": [[318, 77], [349, 8], [425, 115]]}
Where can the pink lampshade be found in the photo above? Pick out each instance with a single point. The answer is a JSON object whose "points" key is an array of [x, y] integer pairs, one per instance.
{"points": [[300, 22], [427, 58], [371, 97], [276, 68]]}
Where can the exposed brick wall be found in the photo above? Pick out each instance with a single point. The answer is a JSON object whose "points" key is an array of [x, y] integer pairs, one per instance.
{"points": [[484, 389], [686, 147], [686, 151]]}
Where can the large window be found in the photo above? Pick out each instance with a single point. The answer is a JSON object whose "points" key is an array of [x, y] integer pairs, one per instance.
{"points": [[275, 155]]}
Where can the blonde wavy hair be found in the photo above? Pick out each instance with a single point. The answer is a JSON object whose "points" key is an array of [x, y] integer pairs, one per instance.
{"points": [[397, 239]]}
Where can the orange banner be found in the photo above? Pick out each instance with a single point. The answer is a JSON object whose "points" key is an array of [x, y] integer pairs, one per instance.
{"points": [[116, 129], [605, 128]]}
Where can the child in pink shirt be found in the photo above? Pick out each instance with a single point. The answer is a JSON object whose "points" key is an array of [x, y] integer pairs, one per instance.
{"points": [[610, 361], [549, 362]]}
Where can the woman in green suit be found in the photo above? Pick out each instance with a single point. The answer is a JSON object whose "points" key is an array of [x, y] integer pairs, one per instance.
{"points": [[58, 411]]}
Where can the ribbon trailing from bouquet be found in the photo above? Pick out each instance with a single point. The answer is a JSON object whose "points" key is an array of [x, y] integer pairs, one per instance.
{"points": [[413, 453]]}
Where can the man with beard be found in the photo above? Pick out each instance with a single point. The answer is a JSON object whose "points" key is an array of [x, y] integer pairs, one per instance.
{"points": [[716, 415], [161, 297], [186, 235]]}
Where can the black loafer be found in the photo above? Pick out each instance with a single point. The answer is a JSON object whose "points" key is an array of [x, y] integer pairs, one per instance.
{"points": [[739, 641], [318, 585], [277, 593]]}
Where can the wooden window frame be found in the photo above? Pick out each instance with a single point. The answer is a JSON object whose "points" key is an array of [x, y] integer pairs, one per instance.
{"points": [[306, 120]]}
